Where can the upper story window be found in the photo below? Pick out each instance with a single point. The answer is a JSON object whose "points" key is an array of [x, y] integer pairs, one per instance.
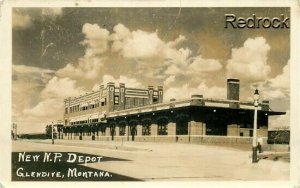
{"points": [[103, 102], [116, 100]]}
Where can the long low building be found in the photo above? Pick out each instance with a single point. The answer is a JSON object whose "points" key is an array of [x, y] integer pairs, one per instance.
{"points": [[120, 113]]}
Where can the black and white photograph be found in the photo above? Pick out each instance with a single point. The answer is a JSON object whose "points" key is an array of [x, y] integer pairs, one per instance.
{"points": [[150, 94]]}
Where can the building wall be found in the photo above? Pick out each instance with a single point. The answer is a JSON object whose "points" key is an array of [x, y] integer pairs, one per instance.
{"points": [[197, 128], [233, 130], [262, 132], [245, 132]]}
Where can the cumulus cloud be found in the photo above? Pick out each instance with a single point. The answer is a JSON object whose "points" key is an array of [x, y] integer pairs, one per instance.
{"points": [[166, 59], [193, 70], [86, 68], [46, 108], [249, 62], [27, 81], [282, 80], [277, 87], [60, 88], [148, 51], [144, 45], [137, 44], [120, 33], [129, 82], [186, 91], [201, 65], [51, 106], [27, 84], [177, 41], [173, 70], [169, 80], [96, 39]]}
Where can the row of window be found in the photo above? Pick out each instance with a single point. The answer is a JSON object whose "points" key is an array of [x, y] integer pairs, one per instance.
{"points": [[129, 103], [79, 108], [146, 130]]}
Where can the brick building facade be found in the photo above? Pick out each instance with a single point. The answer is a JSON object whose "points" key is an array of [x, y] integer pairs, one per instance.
{"points": [[120, 113]]}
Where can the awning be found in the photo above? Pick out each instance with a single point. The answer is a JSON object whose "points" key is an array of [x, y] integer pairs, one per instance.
{"points": [[102, 100], [73, 120], [83, 104]]}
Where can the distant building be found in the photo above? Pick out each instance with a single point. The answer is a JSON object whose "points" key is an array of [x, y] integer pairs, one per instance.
{"points": [[118, 113]]}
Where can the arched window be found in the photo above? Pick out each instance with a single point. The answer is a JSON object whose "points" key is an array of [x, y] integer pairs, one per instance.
{"points": [[162, 126], [146, 126], [122, 126]]}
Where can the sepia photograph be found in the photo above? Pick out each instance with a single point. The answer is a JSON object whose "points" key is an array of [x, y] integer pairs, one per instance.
{"points": [[150, 94]]}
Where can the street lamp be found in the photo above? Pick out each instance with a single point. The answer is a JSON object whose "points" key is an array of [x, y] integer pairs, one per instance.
{"points": [[254, 140], [52, 134]]}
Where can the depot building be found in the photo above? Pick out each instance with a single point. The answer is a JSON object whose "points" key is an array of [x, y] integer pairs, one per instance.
{"points": [[116, 112]]}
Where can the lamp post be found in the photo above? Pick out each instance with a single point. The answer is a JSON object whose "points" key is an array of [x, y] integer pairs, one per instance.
{"points": [[52, 134], [254, 140]]}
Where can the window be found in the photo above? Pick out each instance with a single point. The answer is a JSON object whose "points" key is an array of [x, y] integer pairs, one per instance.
{"points": [[133, 130], [92, 106], [135, 101], [146, 126], [122, 130], [116, 99], [251, 133], [94, 120], [146, 130], [103, 103], [129, 102], [162, 129], [140, 102]]}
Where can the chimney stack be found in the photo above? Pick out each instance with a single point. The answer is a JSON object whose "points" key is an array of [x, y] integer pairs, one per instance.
{"points": [[233, 89]]}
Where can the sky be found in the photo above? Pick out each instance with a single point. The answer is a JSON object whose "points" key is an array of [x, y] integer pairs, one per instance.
{"points": [[64, 52]]}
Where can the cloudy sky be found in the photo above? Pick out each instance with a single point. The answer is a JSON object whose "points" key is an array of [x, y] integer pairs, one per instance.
{"points": [[62, 52]]}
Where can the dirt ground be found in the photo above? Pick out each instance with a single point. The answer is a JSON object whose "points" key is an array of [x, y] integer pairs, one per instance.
{"points": [[171, 161]]}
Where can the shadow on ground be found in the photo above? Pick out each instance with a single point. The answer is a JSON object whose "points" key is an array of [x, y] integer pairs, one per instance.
{"points": [[28, 169], [285, 157]]}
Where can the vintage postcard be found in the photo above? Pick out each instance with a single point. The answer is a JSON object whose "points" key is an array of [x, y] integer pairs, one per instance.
{"points": [[156, 93]]}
